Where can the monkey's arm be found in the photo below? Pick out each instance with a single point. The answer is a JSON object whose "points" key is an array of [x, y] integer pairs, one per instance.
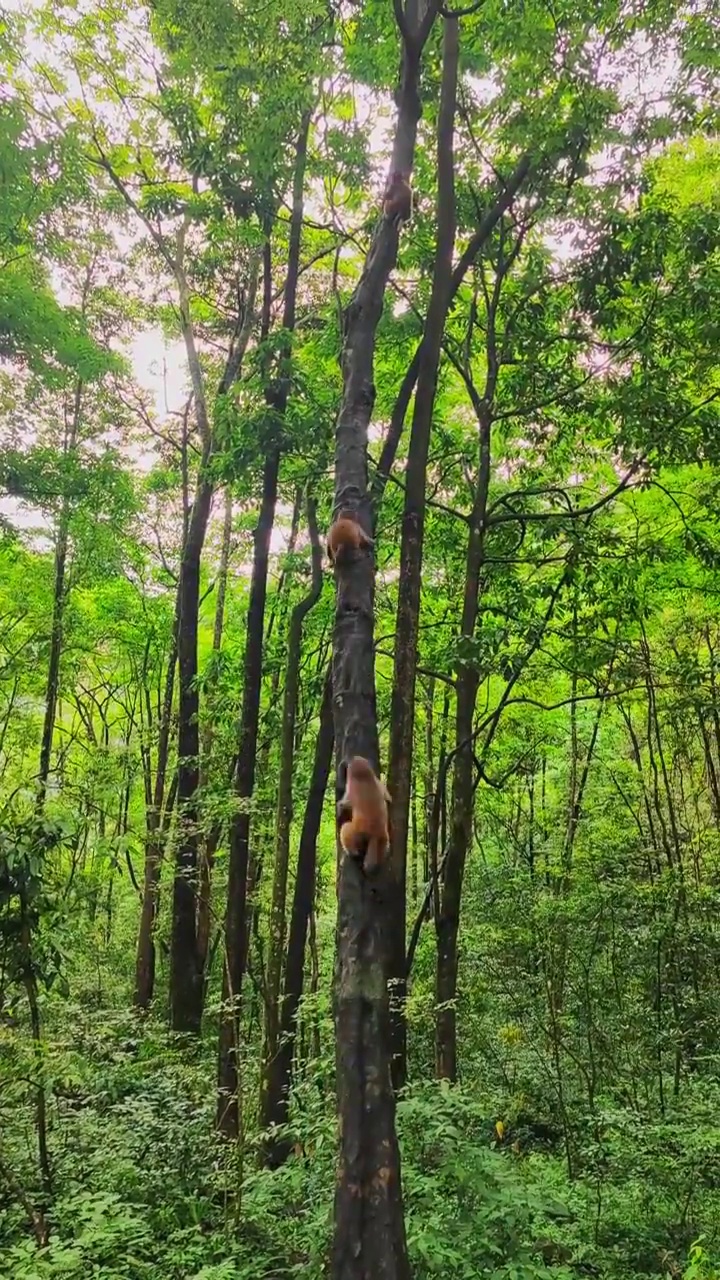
{"points": [[343, 810]]}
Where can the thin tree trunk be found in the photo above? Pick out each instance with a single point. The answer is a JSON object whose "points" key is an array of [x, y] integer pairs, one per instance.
{"points": [[402, 715], [58, 613], [207, 853], [228, 1113], [285, 806], [53, 674], [437, 817], [467, 258], [264, 822], [51, 702], [453, 868], [185, 971], [447, 919], [154, 843], [222, 578], [279, 1079], [429, 780], [186, 984], [235, 918]]}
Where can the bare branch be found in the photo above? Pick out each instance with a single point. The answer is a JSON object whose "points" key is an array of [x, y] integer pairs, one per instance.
{"points": [[576, 514]]}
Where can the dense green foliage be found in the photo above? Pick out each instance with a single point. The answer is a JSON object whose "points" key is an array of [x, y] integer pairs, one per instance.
{"points": [[148, 157]]}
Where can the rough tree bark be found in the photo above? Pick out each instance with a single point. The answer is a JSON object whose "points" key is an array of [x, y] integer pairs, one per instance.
{"points": [[279, 1074], [402, 716], [228, 1115], [284, 810], [369, 1240]]}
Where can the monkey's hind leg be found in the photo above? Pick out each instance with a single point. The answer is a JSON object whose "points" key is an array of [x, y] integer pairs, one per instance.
{"points": [[375, 856], [352, 841]]}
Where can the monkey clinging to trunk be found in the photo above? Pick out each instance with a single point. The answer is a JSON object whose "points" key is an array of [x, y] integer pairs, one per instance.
{"points": [[346, 534], [397, 201], [366, 833]]}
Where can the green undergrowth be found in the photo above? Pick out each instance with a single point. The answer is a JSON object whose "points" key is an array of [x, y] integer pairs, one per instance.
{"points": [[142, 1189]]}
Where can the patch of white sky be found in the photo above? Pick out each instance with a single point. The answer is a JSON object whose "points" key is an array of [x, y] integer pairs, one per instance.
{"points": [[641, 79]]}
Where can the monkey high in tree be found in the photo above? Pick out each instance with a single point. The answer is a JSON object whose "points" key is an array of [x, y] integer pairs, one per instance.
{"points": [[397, 201], [366, 833]]}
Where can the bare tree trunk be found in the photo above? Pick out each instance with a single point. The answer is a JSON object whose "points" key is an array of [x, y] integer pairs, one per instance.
{"points": [[221, 586], [156, 830], [40, 1088], [284, 806], [207, 852], [447, 919], [185, 972], [264, 822], [53, 675], [228, 1118], [186, 978], [59, 600], [402, 716], [279, 1076], [510, 188]]}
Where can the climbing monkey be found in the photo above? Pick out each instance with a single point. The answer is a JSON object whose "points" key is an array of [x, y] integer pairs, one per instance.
{"points": [[366, 833], [346, 534], [397, 201]]}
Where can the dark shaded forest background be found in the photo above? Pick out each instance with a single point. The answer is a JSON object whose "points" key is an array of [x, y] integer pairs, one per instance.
{"points": [[190, 207]]}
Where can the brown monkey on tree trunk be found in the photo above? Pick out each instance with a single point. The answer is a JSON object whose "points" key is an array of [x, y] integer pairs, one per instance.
{"points": [[397, 201], [366, 834], [346, 534]]}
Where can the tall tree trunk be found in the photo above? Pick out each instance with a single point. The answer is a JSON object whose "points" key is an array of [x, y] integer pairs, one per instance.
{"points": [[235, 921], [402, 715], [156, 831], [207, 852], [267, 735], [186, 987], [53, 673], [510, 188], [284, 805], [369, 1236], [279, 1074], [228, 1115], [52, 684], [447, 918], [222, 577]]}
